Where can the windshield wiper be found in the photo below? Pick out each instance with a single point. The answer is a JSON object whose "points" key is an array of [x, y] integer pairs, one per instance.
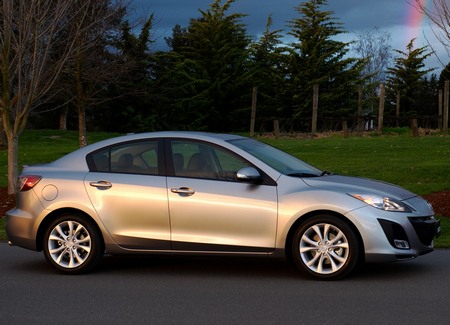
{"points": [[303, 175], [326, 172]]}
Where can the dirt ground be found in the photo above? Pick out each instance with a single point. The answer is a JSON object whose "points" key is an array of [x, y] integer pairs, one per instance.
{"points": [[440, 202]]}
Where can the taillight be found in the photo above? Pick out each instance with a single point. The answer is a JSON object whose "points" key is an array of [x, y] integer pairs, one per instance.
{"points": [[27, 182]]}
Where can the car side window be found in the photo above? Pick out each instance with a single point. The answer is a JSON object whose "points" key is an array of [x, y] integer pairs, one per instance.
{"points": [[200, 160], [130, 158]]}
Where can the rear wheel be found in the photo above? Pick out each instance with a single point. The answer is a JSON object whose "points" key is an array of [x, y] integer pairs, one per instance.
{"points": [[72, 244], [325, 248]]}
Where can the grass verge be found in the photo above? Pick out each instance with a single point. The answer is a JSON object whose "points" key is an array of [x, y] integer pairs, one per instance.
{"points": [[444, 240]]}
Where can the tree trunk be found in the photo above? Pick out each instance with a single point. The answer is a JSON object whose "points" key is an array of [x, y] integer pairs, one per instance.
{"points": [[13, 157], [82, 124], [81, 102], [63, 118]]}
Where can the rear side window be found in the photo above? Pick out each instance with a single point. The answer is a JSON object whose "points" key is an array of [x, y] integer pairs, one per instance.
{"points": [[100, 161], [130, 158]]}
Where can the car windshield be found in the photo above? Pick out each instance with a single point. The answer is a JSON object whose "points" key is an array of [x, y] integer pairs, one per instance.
{"points": [[277, 159]]}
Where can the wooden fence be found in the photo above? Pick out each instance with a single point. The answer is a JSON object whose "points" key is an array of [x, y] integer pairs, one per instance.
{"points": [[360, 122]]}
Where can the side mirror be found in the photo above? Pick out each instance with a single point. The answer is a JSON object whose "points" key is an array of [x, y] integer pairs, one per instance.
{"points": [[248, 174]]}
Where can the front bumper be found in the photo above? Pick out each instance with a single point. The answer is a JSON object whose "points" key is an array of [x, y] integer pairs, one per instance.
{"points": [[425, 228], [394, 236]]}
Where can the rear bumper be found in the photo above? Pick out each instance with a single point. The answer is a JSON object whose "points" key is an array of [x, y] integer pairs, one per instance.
{"points": [[19, 229]]}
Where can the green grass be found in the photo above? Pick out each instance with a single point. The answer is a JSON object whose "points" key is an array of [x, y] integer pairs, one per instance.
{"points": [[420, 164], [40, 146], [47, 145], [444, 240]]}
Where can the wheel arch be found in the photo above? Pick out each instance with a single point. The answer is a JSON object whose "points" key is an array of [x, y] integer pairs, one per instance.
{"points": [[55, 214], [312, 214]]}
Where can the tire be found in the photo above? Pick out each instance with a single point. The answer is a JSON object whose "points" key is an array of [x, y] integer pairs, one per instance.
{"points": [[325, 248], [72, 244]]}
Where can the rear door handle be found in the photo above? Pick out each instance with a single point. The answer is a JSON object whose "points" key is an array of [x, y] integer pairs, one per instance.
{"points": [[183, 191], [101, 184]]}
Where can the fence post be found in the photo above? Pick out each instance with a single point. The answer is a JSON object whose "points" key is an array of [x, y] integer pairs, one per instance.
{"points": [[414, 127], [314, 109], [360, 104], [345, 129], [397, 110], [276, 128], [445, 112], [440, 110], [253, 114], [381, 109]]}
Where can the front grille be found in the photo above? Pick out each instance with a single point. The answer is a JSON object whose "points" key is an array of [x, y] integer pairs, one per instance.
{"points": [[425, 228]]}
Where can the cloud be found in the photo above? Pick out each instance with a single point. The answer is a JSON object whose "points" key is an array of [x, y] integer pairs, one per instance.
{"points": [[356, 15]]}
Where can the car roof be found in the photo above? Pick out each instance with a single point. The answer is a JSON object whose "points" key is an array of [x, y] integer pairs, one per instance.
{"points": [[165, 134]]}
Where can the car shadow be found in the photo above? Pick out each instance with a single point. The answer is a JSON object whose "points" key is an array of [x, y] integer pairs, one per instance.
{"points": [[391, 271], [207, 266], [201, 266], [251, 267]]}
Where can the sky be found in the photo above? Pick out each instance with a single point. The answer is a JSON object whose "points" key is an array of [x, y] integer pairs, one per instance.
{"points": [[396, 17]]}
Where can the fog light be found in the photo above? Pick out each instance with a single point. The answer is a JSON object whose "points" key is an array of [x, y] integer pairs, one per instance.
{"points": [[401, 244]]}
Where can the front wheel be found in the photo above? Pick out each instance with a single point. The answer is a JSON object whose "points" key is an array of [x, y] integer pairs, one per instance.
{"points": [[325, 248], [72, 244]]}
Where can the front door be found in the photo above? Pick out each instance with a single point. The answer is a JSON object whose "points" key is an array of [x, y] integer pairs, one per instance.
{"points": [[210, 210]]}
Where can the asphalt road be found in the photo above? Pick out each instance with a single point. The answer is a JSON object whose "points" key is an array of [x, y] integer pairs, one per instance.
{"points": [[191, 290]]}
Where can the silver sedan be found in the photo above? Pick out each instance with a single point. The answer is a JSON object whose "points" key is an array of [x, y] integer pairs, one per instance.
{"points": [[203, 193]]}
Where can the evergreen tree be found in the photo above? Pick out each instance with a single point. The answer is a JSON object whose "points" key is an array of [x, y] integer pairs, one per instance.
{"points": [[268, 72], [319, 59], [132, 57], [406, 78], [210, 70], [427, 98], [179, 39]]}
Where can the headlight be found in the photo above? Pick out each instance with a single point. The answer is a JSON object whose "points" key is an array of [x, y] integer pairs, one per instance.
{"points": [[382, 203]]}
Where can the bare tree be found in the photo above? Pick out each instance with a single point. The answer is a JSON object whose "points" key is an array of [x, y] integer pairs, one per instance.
{"points": [[439, 14], [374, 47], [92, 71], [30, 30]]}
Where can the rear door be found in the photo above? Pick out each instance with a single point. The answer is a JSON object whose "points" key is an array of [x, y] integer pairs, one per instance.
{"points": [[127, 188]]}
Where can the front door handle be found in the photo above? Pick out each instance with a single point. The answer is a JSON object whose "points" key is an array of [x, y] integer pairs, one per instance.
{"points": [[187, 191], [101, 184]]}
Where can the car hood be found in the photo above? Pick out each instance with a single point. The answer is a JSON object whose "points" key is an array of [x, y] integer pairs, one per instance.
{"points": [[359, 185]]}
